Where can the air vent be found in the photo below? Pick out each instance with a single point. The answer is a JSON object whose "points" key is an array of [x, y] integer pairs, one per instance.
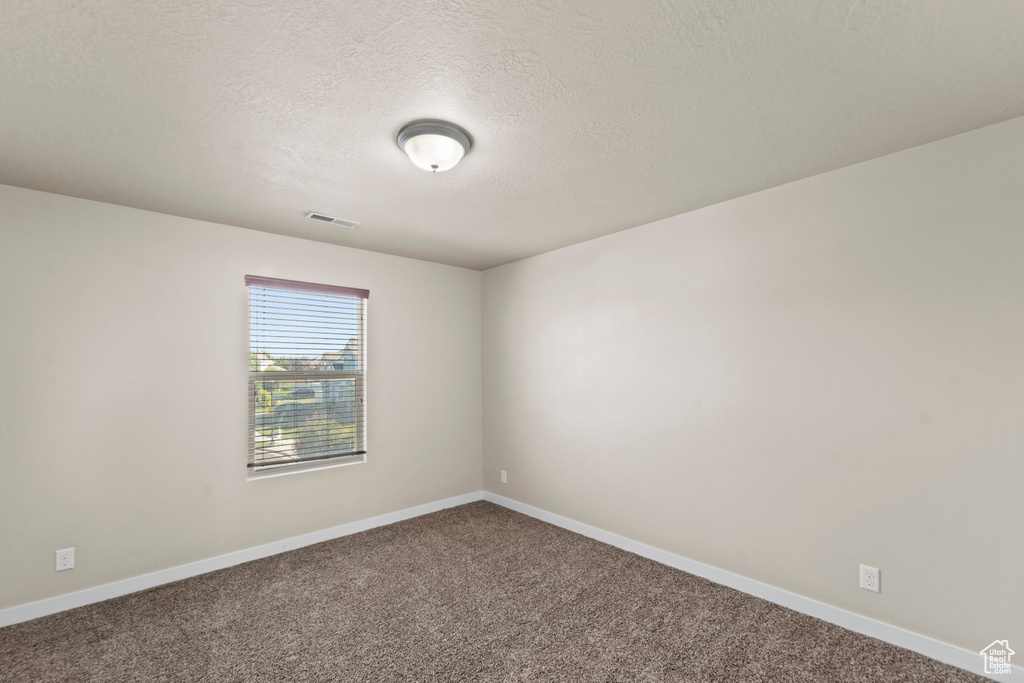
{"points": [[331, 219]]}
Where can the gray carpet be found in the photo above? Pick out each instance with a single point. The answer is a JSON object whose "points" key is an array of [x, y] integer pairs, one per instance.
{"points": [[473, 593]]}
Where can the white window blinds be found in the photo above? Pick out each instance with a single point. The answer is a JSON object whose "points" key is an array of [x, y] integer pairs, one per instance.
{"points": [[307, 373]]}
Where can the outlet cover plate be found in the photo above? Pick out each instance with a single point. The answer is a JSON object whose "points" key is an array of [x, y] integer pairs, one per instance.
{"points": [[870, 578], [65, 559]]}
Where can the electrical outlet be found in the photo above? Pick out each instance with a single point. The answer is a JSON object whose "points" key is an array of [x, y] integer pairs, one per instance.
{"points": [[65, 559], [870, 578], [504, 477]]}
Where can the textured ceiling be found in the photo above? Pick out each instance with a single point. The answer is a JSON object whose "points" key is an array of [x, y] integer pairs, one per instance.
{"points": [[587, 117]]}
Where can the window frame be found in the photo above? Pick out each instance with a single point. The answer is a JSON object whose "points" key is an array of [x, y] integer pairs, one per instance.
{"points": [[254, 470]]}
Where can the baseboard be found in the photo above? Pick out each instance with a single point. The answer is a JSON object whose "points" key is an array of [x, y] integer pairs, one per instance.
{"points": [[935, 649], [938, 650], [34, 610]]}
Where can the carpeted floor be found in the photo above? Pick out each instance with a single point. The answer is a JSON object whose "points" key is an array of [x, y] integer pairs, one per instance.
{"points": [[473, 593]]}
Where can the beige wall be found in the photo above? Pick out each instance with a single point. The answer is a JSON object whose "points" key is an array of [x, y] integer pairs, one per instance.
{"points": [[790, 384], [122, 419]]}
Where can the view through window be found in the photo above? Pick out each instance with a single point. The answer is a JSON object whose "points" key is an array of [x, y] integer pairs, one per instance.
{"points": [[307, 375]]}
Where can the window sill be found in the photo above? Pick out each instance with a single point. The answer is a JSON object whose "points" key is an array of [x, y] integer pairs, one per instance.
{"points": [[285, 470]]}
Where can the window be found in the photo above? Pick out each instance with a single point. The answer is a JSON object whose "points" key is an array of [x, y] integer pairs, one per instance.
{"points": [[307, 374]]}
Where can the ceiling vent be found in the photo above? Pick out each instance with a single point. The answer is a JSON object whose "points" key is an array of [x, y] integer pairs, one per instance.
{"points": [[331, 219]]}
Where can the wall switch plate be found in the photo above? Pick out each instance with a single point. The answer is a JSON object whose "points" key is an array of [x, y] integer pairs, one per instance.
{"points": [[504, 477], [870, 578], [65, 559]]}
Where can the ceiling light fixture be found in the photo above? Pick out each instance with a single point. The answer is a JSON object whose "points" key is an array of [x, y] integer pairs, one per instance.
{"points": [[434, 145]]}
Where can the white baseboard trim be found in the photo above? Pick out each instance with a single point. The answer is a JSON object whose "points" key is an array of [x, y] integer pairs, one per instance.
{"points": [[935, 649], [34, 610], [938, 650]]}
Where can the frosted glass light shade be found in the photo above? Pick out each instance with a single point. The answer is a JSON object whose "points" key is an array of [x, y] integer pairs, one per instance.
{"points": [[434, 152], [434, 145]]}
